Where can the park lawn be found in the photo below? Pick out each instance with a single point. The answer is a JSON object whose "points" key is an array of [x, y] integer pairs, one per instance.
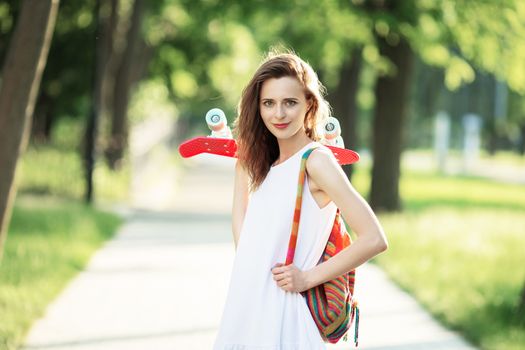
{"points": [[49, 242], [57, 170], [458, 248]]}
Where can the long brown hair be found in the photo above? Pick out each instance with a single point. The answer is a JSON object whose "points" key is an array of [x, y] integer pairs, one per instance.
{"points": [[257, 147]]}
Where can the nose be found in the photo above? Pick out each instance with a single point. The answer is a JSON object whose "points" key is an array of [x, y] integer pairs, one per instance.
{"points": [[279, 111]]}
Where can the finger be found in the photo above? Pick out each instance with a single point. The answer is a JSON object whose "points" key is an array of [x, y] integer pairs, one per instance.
{"points": [[279, 277], [278, 271], [283, 282], [277, 267]]}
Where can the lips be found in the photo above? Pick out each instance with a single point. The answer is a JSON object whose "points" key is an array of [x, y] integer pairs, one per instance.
{"points": [[281, 126]]}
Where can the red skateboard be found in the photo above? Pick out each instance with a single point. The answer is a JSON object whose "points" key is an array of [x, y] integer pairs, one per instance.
{"points": [[228, 148]]}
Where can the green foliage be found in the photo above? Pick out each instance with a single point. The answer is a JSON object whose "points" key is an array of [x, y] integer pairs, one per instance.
{"points": [[151, 99], [184, 52], [66, 84], [200, 45], [232, 68], [492, 34], [458, 35], [7, 19], [8, 15], [49, 242], [204, 51]]}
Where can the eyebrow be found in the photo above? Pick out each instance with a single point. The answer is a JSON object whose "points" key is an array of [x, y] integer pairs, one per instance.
{"points": [[285, 99]]}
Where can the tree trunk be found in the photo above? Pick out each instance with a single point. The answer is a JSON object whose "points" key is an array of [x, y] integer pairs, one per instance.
{"points": [[109, 22], [100, 53], [43, 119], [521, 146], [389, 117], [11, 14], [22, 73], [106, 12], [344, 102], [122, 89]]}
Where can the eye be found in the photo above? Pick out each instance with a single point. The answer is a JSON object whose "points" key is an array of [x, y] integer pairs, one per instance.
{"points": [[291, 103], [267, 103]]}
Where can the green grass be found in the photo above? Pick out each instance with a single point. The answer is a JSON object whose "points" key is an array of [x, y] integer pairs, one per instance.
{"points": [[505, 158], [458, 247], [55, 170], [49, 242], [50, 170]]}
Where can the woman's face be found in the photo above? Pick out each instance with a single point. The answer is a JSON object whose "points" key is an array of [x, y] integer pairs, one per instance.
{"points": [[283, 106]]}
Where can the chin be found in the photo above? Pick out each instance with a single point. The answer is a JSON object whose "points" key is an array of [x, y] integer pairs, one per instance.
{"points": [[284, 136]]}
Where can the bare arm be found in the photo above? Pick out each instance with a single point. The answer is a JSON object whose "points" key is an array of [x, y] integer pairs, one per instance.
{"points": [[240, 201], [322, 167]]}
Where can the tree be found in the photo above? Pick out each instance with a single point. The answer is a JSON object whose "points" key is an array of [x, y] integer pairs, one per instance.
{"points": [[389, 119], [101, 52], [344, 102], [458, 36], [66, 83], [124, 79], [391, 93], [22, 72]]}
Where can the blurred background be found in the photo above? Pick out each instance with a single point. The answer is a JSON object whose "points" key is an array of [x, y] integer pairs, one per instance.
{"points": [[431, 93]]}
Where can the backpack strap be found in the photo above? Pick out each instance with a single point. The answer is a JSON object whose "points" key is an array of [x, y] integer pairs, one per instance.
{"points": [[298, 203]]}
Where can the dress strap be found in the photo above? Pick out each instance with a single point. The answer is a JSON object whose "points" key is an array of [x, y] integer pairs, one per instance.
{"points": [[298, 203]]}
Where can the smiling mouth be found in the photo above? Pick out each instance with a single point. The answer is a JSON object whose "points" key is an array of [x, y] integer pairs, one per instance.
{"points": [[281, 126]]}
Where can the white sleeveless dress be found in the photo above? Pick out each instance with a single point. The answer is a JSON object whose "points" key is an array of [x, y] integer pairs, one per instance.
{"points": [[258, 315]]}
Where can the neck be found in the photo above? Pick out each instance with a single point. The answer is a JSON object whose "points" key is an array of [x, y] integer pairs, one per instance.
{"points": [[288, 147]]}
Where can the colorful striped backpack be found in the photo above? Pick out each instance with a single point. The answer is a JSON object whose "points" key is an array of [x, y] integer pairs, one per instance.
{"points": [[331, 304]]}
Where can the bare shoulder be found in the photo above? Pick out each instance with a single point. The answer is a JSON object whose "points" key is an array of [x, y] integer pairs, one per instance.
{"points": [[320, 160]]}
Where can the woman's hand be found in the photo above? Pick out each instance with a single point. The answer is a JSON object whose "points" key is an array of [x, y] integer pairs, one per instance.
{"points": [[289, 278]]}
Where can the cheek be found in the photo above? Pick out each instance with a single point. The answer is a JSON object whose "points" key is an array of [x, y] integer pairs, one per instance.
{"points": [[264, 112], [299, 113]]}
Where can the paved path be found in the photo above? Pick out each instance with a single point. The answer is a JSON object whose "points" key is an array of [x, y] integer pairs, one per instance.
{"points": [[162, 281]]}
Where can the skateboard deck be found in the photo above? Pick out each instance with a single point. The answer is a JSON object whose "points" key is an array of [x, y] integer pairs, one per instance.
{"points": [[228, 148]]}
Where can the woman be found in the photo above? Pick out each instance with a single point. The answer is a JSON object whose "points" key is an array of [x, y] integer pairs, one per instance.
{"points": [[278, 116]]}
